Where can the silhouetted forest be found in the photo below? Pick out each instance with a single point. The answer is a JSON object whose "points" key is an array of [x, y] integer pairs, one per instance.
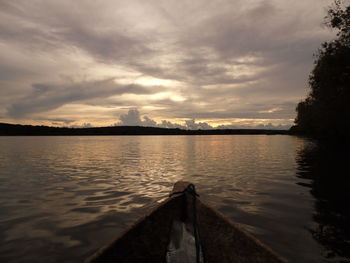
{"points": [[16, 129], [325, 113]]}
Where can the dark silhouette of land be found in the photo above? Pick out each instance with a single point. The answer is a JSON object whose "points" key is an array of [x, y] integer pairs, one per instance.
{"points": [[325, 113], [7, 129]]}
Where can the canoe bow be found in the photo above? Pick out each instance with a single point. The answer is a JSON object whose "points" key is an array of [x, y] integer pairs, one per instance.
{"points": [[221, 239]]}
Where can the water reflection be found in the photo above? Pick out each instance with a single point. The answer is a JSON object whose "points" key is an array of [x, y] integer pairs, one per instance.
{"points": [[64, 197], [326, 167]]}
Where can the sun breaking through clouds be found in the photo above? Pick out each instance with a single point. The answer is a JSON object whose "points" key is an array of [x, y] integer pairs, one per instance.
{"points": [[222, 63]]}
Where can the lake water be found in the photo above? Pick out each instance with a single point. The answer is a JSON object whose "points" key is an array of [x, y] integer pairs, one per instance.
{"points": [[61, 198]]}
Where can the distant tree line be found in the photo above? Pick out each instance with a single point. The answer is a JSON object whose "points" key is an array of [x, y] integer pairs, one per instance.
{"points": [[325, 113], [7, 129]]}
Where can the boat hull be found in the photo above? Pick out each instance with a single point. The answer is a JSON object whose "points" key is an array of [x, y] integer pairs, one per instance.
{"points": [[221, 239]]}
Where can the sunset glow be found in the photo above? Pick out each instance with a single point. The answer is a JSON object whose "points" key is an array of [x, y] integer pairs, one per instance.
{"points": [[226, 63]]}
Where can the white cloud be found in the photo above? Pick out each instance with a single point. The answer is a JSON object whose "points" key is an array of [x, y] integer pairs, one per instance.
{"points": [[133, 118]]}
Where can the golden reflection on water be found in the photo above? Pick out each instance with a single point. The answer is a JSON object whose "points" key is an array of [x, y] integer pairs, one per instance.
{"points": [[68, 190]]}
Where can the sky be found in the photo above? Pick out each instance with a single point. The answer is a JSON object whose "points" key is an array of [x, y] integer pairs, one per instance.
{"points": [[193, 64]]}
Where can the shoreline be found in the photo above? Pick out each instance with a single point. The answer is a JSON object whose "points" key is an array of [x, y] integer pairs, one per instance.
{"points": [[30, 130]]}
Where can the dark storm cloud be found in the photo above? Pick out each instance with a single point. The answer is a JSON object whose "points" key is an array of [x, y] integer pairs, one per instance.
{"points": [[46, 97], [258, 32], [106, 46], [46, 26]]}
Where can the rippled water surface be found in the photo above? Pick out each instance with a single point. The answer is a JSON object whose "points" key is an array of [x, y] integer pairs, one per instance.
{"points": [[61, 198]]}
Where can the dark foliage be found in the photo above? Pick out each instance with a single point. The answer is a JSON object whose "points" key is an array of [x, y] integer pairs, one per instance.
{"points": [[326, 112], [16, 129]]}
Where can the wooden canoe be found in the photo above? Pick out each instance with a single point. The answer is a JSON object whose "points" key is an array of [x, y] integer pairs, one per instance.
{"points": [[221, 239]]}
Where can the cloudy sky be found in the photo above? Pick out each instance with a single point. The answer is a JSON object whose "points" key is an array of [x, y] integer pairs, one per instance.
{"points": [[234, 63]]}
